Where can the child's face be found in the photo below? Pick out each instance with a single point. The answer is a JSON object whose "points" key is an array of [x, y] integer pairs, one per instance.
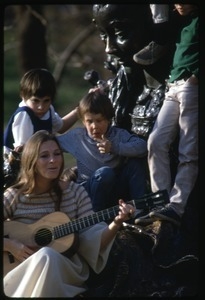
{"points": [[96, 125], [40, 106], [185, 9]]}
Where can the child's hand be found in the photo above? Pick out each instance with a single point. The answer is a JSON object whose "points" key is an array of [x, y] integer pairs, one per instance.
{"points": [[19, 149], [104, 145]]}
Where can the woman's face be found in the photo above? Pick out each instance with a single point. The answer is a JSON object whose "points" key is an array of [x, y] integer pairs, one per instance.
{"points": [[123, 35], [49, 161]]}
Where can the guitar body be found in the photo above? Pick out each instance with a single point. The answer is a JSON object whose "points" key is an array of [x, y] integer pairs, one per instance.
{"points": [[55, 230], [25, 233]]}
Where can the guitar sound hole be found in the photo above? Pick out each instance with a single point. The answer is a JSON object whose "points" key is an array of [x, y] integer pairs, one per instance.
{"points": [[43, 237]]}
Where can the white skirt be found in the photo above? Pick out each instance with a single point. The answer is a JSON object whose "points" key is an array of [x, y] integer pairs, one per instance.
{"points": [[47, 273]]}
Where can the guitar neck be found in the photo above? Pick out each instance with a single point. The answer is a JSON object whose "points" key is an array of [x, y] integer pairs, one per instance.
{"points": [[81, 223], [42, 233], [147, 201]]}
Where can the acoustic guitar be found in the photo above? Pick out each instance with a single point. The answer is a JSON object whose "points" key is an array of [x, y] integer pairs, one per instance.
{"points": [[55, 230]]}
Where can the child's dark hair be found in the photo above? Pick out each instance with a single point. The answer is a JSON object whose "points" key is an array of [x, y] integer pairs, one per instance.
{"points": [[96, 102], [38, 83]]}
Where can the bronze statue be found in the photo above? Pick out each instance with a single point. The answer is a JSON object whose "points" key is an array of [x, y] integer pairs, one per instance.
{"points": [[136, 91]]}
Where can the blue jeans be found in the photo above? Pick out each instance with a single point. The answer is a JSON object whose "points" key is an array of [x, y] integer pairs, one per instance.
{"points": [[107, 185]]}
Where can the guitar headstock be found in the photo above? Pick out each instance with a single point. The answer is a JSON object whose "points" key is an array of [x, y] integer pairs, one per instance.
{"points": [[159, 198]]}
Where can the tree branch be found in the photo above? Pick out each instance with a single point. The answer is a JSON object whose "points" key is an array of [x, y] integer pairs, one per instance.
{"points": [[71, 48]]}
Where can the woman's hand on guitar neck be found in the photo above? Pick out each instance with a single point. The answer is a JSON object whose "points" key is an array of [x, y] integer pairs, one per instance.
{"points": [[17, 249], [125, 213]]}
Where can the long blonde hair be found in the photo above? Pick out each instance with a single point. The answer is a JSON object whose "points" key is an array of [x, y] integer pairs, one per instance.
{"points": [[26, 179]]}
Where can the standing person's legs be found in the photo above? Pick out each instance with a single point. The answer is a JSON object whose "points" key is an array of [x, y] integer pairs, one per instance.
{"points": [[187, 170], [159, 141], [157, 47], [160, 12]]}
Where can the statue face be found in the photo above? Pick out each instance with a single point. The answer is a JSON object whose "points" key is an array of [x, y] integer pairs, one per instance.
{"points": [[124, 30]]}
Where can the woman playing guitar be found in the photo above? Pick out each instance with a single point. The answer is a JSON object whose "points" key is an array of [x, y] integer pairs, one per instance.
{"points": [[42, 203]]}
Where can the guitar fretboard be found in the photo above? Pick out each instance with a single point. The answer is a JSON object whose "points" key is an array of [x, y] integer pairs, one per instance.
{"points": [[147, 201]]}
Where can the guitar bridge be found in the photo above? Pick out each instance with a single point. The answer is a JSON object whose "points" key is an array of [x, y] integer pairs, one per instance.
{"points": [[11, 258]]}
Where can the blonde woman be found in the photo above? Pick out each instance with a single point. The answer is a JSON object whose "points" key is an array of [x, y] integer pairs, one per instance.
{"points": [[41, 200]]}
